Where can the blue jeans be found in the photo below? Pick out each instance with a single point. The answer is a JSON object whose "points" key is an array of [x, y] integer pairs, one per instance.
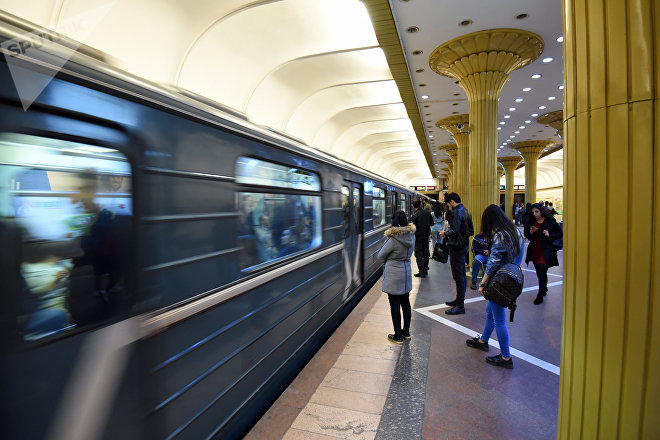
{"points": [[496, 319], [479, 260]]}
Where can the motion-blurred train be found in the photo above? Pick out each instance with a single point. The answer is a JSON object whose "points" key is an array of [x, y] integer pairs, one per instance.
{"points": [[166, 266]]}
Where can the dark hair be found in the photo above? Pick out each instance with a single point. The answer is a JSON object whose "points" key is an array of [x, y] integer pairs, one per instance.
{"points": [[399, 219], [453, 196], [416, 203], [545, 211], [437, 209], [493, 220]]}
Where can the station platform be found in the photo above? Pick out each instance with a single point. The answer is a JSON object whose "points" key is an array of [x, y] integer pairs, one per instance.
{"points": [[433, 386]]}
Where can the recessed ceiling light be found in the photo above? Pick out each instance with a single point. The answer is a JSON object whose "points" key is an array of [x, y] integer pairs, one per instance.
{"points": [[419, 70], [422, 85], [547, 60], [522, 127], [516, 132], [417, 52], [521, 16], [412, 29], [502, 123], [431, 136], [519, 100], [465, 22], [561, 87], [534, 115], [507, 116], [499, 128], [541, 107], [560, 39], [551, 98], [425, 96], [435, 154], [511, 137], [536, 76], [512, 109], [527, 121], [527, 89]]}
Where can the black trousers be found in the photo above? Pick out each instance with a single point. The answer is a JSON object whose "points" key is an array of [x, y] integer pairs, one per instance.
{"points": [[542, 274], [403, 302], [422, 254], [457, 261]]}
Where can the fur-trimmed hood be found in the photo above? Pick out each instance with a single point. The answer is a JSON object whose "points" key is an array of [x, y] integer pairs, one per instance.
{"points": [[403, 234]]}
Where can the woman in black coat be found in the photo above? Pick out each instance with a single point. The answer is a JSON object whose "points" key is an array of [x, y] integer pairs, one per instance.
{"points": [[541, 229]]}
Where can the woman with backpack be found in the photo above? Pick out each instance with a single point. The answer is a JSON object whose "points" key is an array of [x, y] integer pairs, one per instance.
{"points": [[505, 247], [541, 229], [397, 275]]}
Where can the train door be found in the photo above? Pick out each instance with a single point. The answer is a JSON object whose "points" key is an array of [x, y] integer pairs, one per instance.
{"points": [[353, 228]]}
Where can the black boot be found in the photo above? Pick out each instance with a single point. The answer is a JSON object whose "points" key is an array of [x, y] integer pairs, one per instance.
{"points": [[539, 299]]}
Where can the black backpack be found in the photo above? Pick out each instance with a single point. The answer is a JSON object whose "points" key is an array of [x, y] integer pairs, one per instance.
{"points": [[505, 287]]}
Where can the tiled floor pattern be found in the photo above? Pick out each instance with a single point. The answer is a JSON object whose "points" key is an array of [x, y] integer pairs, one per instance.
{"points": [[342, 392]]}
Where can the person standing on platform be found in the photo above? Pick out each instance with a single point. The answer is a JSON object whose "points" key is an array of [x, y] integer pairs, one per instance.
{"points": [[541, 229], [458, 236], [397, 275], [437, 215], [505, 244], [423, 221]]}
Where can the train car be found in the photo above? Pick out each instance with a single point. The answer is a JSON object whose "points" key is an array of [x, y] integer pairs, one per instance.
{"points": [[166, 266]]}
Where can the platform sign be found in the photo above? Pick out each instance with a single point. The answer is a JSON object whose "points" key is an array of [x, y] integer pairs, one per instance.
{"points": [[431, 188]]}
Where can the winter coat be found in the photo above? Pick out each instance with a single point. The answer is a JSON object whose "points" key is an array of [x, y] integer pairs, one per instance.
{"points": [[460, 227], [423, 221], [549, 251], [396, 253]]}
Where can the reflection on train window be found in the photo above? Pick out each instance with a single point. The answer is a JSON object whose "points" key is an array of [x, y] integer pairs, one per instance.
{"points": [[356, 210], [274, 226], [258, 172], [403, 203], [65, 218], [345, 193], [378, 203]]}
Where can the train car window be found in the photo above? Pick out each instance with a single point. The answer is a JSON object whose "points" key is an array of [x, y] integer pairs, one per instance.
{"points": [[356, 210], [259, 172], [388, 207], [378, 203], [65, 220], [403, 203]]}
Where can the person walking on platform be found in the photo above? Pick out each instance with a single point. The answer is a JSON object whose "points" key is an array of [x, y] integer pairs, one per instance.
{"points": [[506, 245], [423, 221], [541, 229], [458, 236], [397, 275]]}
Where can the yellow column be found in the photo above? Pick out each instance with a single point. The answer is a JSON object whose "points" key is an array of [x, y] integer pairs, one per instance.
{"points": [[554, 120], [500, 173], [450, 174], [461, 137], [531, 151], [482, 62], [452, 151], [609, 386], [510, 164]]}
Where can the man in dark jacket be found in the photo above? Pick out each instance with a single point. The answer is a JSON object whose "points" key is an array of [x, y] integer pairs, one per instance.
{"points": [[458, 237], [423, 222]]}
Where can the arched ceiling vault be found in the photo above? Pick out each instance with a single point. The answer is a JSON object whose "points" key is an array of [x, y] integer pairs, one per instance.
{"points": [[322, 70]]}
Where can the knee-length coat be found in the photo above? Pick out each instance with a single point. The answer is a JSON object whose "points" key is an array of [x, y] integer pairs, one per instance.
{"points": [[396, 253]]}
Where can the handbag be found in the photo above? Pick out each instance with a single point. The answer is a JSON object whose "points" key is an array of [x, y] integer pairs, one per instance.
{"points": [[505, 287], [440, 252]]}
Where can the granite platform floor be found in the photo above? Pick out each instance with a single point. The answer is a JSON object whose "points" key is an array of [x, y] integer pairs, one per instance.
{"points": [[361, 386]]}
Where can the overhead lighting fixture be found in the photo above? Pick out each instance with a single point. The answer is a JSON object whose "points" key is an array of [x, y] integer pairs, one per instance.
{"points": [[502, 123], [511, 137], [551, 98], [507, 116], [512, 109], [527, 121], [519, 100], [534, 115], [522, 127], [560, 39], [412, 29], [541, 107], [547, 60], [435, 154], [516, 132], [499, 128], [431, 136], [561, 87], [425, 96], [527, 89], [465, 23], [536, 76]]}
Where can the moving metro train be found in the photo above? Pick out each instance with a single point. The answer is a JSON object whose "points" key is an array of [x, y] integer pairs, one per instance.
{"points": [[166, 266]]}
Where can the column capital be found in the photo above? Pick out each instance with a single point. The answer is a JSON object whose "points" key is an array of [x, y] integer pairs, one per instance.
{"points": [[492, 50], [450, 124], [531, 150], [447, 162], [553, 119], [450, 149], [510, 162], [500, 169]]}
